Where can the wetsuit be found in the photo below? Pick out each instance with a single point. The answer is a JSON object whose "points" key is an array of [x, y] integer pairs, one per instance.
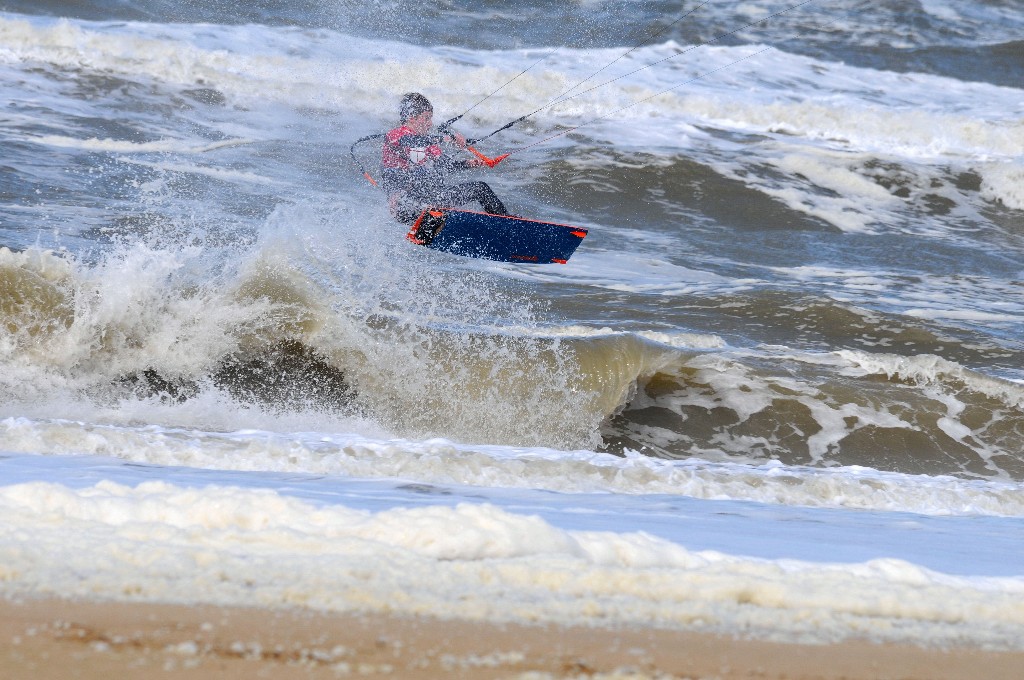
{"points": [[413, 170]]}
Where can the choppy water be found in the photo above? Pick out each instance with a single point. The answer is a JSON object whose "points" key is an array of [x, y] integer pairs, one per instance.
{"points": [[800, 304]]}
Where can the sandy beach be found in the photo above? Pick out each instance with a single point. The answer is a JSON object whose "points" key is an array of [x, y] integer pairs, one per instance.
{"points": [[42, 639]]}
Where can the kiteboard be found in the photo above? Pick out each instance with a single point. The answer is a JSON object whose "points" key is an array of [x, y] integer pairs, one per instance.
{"points": [[504, 238]]}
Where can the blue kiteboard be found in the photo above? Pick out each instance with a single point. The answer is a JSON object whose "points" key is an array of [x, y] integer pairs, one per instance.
{"points": [[495, 237]]}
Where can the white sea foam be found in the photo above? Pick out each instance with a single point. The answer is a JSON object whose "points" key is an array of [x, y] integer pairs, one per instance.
{"points": [[445, 462], [1004, 183], [685, 340], [122, 146], [639, 273], [158, 542], [963, 314], [931, 370], [221, 174], [676, 339]]}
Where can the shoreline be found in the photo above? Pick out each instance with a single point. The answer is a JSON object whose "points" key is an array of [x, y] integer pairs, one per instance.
{"points": [[49, 638]]}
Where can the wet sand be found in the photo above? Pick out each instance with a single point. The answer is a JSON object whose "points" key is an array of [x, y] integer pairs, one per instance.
{"points": [[51, 639]]}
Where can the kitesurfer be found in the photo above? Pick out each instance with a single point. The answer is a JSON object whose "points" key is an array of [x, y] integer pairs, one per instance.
{"points": [[414, 166]]}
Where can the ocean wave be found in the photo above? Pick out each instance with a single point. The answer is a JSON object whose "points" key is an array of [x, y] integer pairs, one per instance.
{"points": [[266, 333], [349, 73], [167, 327], [927, 416], [858, 158], [443, 462]]}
